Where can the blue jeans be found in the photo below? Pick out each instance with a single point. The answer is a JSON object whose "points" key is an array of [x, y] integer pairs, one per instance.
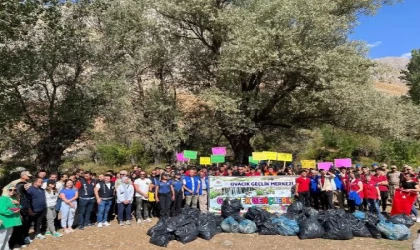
{"points": [[86, 207], [124, 210], [103, 210], [414, 211], [373, 206]]}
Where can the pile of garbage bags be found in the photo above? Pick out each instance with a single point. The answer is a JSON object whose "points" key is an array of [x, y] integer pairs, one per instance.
{"points": [[306, 223]]}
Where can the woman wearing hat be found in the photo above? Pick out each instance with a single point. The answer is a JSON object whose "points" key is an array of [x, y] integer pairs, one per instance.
{"points": [[9, 216]]}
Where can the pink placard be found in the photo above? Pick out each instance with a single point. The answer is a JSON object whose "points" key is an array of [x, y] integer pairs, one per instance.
{"points": [[180, 157], [325, 165], [338, 163], [219, 150]]}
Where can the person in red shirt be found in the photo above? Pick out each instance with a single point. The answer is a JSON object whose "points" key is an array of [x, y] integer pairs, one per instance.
{"points": [[270, 171], [382, 181], [303, 184], [355, 185], [372, 194], [253, 173]]}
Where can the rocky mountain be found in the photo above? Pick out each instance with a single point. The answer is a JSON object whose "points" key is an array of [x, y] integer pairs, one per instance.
{"points": [[387, 72]]}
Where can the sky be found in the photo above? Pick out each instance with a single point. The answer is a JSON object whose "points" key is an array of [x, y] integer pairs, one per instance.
{"points": [[393, 31]]}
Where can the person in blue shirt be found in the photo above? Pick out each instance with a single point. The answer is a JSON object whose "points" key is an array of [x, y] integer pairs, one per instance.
{"points": [[179, 194], [340, 188], [164, 195], [204, 190], [314, 189], [38, 205], [191, 188]]}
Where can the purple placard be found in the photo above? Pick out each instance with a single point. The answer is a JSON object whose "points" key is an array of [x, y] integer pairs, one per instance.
{"points": [[219, 150], [338, 163], [325, 165], [180, 157]]}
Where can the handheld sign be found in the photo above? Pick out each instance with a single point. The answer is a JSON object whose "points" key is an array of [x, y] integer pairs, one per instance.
{"points": [[342, 163], [219, 150], [192, 155]]}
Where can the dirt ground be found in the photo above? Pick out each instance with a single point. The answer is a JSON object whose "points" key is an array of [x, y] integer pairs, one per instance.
{"points": [[134, 237]]}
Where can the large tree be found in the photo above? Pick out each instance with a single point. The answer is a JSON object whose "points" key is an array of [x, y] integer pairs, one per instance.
{"points": [[48, 84], [412, 76], [262, 64]]}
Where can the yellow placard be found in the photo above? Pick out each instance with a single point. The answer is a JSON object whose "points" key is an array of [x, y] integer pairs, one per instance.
{"points": [[284, 157], [259, 156], [271, 155], [205, 161], [308, 163]]}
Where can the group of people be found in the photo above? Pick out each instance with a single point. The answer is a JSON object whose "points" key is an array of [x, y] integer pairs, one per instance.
{"points": [[78, 197], [360, 187]]}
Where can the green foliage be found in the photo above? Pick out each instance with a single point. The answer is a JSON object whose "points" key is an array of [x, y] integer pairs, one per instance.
{"points": [[412, 76], [117, 154]]}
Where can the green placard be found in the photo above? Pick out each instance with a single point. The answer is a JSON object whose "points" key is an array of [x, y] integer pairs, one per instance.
{"points": [[251, 160], [190, 154], [217, 158]]}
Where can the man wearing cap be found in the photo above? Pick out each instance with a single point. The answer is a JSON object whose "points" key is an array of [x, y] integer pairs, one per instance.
{"points": [[393, 180]]}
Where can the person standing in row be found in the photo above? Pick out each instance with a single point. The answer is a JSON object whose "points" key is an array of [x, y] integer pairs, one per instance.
{"points": [[205, 187], [382, 182], [142, 187], [125, 195], [355, 185], [302, 188], [51, 196], [9, 216], [164, 195], [372, 194], [104, 193], [191, 188], [39, 206], [179, 195], [393, 180], [325, 185], [68, 207], [86, 187]]}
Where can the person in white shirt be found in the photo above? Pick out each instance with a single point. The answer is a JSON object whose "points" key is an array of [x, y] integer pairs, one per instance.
{"points": [[142, 187], [125, 195], [51, 196]]}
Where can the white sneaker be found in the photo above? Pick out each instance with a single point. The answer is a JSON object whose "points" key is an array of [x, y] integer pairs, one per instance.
{"points": [[148, 220], [418, 220], [100, 224], [139, 221], [40, 236], [121, 223], [106, 224], [128, 222]]}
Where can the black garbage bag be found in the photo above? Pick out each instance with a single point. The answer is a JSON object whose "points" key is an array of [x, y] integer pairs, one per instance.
{"points": [[176, 222], [371, 218], [268, 228], [156, 230], [402, 219], [191, 213], [187, 233], [336, 212], [218, 219], [296, 207], [232, 207], [310, 212], [373, 230], [206, 226], [258, 215], [338, 228], [359, 229], [230, 225], [310, 228], [160, 240]]}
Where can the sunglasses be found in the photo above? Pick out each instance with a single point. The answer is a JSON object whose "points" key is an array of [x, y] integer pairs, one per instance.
{"points": [[12, 190]]}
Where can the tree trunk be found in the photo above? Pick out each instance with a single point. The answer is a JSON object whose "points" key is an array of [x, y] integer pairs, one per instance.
{"points": [[49, 156], [241, 146]]}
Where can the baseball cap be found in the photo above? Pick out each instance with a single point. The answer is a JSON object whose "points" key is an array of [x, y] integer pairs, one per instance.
{"points": [[374, 164], [358, 165], [393, 167], [27, 173]]}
